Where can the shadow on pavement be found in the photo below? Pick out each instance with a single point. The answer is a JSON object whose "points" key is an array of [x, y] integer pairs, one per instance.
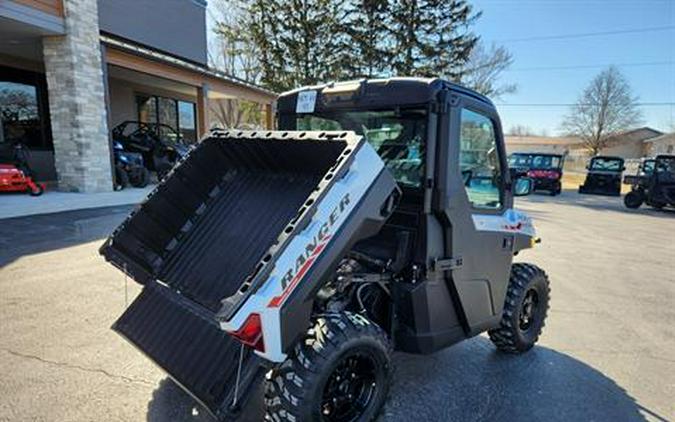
{"points": [[41, 233], [170, 403], [599, 203], [468, 382]]}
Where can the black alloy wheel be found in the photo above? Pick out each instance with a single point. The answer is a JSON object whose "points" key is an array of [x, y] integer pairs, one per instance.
{"points": [[528, 310], [350, 389], [340, 372]]}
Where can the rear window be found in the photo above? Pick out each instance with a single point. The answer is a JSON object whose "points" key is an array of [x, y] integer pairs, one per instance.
{"points": [[399, 137], [606, 164], [534, 161]]}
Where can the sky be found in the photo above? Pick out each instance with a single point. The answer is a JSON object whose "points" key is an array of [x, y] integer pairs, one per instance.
{"points": [[644, 52]]}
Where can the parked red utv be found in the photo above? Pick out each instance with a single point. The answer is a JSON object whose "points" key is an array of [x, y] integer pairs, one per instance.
{"points": [[379, 218], [545, 169]]}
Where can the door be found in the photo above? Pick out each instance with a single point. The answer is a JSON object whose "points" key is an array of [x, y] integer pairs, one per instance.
{"points": [[477, 204]]}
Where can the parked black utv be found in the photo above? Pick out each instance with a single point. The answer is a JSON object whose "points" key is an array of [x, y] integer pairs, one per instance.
{"points": [[654, 184], [380, 217], [160, 145], [545, 169], [129, 168], [604, 176]]}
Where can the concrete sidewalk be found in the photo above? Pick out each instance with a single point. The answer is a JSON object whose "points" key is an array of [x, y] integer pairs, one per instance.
{"points": [[19, 205]]}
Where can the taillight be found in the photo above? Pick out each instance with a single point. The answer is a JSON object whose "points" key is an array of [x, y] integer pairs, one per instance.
{"points": [[250, 333]]}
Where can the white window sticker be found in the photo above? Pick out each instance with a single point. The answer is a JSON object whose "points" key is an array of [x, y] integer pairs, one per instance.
{"points": [[306, 102]]}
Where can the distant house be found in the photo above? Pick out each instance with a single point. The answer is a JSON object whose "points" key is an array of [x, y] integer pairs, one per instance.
{"points": [[634, 143], [664, 144], [631, 143], [547, 144]]}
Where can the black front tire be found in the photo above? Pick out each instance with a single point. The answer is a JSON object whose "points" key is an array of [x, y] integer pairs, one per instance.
{"points": [[525, 309], [39, 190], [633, 199], [308, 387], [142, 178]]}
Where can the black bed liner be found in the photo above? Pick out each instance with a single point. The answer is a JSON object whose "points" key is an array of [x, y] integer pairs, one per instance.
{"points": [[204, 230]]}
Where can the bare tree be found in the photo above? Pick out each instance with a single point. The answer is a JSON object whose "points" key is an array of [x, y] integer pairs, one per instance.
{"points": [[236, 113], [484, 69], [607, 106], [520, 130], [236, 52]]}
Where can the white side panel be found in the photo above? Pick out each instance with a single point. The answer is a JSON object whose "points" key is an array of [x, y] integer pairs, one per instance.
{"points": [[302, 251], [511, 221]]}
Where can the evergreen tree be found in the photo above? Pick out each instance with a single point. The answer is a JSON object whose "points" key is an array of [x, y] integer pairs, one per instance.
{"points": [[431, 37], [365, 52], [300, 40]]}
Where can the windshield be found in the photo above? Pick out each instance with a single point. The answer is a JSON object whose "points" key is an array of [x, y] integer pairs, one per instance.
{"points": [[648, 167], [606, 164], [398, 137], [534, 161], [665, 165]]}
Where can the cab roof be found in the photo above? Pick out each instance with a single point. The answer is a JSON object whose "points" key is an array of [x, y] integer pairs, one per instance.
{"points": [[376, 93]]}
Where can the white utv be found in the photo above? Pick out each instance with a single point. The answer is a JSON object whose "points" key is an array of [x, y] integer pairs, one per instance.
{"points": [[378, 218]]}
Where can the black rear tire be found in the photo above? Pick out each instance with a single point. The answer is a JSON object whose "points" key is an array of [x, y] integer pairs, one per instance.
{"points": [[121, 178], [525, 309], [339, 373], [633, 199]]}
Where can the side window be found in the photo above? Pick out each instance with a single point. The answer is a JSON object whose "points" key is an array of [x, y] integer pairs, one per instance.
{"points": [[479, 161]]}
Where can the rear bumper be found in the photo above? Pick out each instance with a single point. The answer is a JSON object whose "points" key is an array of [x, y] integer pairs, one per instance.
{"points": [[600, 190], [546, 184]]}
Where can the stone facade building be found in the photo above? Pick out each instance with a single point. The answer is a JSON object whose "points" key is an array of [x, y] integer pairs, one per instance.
{"points": [[71, 70]]}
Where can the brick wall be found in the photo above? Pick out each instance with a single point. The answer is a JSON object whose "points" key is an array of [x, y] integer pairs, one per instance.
{"points": [[77, 101]]}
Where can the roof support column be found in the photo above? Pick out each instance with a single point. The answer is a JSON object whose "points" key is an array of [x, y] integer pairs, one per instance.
{"points": [[202, 110], [269, 117]]}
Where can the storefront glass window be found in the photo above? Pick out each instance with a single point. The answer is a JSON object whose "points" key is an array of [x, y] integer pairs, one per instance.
{"points": [[19, 115], [147, 109], [186, 121], [178, 115]]}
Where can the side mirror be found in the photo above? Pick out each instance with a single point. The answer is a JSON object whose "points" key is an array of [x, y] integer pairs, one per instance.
{"points": [[523, 186], [588, 166]]}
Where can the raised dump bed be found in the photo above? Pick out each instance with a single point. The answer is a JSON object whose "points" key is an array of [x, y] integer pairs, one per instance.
{"points": [[214, 242]]}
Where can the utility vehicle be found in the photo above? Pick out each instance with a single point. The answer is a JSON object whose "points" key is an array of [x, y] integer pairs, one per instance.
{"points": [[640, 179], [380, 217], [604, 176], [545, 169], [160, 145], [654, 184], [129, 168]]}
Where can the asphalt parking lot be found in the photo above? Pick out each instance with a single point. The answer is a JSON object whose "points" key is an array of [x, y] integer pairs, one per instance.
{"points": [[607, 353]]}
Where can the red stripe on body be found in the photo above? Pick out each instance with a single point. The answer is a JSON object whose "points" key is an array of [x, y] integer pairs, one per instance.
{"points": [[278, 300]]}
